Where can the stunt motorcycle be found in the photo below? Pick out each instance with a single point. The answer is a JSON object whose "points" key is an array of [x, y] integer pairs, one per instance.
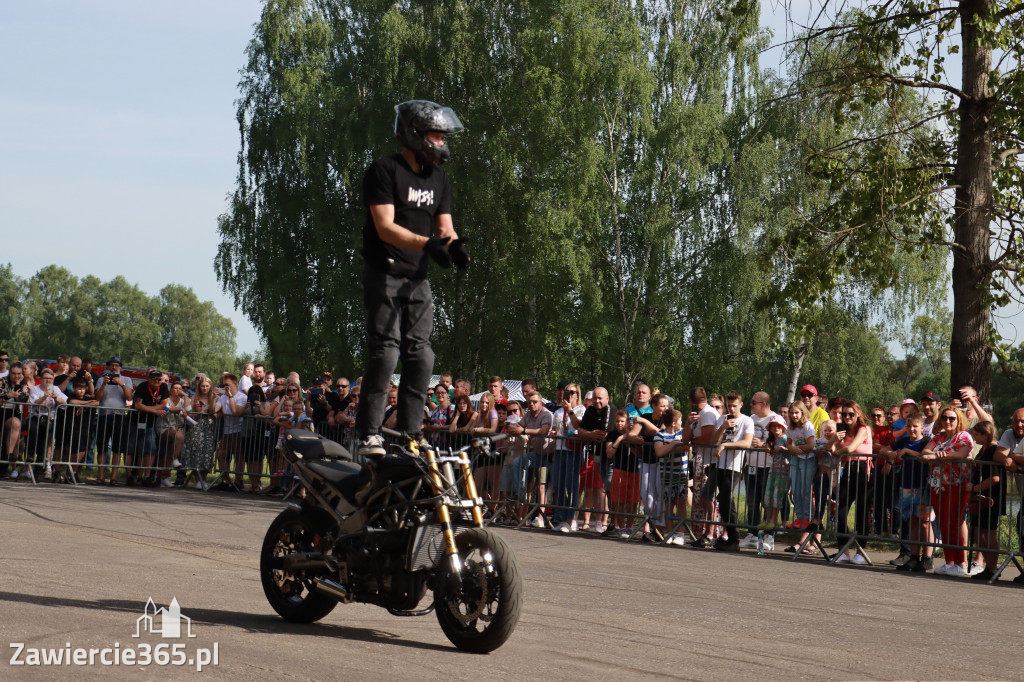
{"points": [[387, 531]]}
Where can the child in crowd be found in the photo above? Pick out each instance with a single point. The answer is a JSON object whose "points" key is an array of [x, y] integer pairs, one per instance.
{"points": [[73, 432], [777, 485], [668, 446], [914, 501], [625, 479]]}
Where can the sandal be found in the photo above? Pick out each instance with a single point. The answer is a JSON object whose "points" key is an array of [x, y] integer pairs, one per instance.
{"points": [[792, 549], [585, 526]]}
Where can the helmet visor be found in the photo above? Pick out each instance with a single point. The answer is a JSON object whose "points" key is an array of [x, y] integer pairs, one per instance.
{"points": [[443, 120]]}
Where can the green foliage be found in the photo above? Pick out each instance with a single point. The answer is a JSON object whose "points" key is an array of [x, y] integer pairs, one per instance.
{"points": [[55, 312], [918, 164]]}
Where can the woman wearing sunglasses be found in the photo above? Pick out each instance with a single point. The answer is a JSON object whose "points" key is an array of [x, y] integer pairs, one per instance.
{"points": [[951, 445], [854, 439]]}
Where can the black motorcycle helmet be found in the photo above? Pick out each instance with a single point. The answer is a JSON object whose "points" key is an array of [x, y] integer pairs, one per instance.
{"points": [[417, 117]]}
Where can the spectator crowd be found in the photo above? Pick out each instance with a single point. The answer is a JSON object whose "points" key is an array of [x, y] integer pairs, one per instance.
{"points": [[927, 473]]}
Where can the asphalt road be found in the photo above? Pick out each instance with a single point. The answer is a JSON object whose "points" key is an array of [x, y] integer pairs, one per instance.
{"points": [[79, 564]]}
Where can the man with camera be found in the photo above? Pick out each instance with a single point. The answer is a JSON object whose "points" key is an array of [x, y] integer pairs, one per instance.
{"points": [[75, 371], [114, 393], [408, 222]]}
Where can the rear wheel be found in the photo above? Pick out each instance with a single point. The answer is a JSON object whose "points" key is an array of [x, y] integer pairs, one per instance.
{"points": [[479, 611], [292, 593]]}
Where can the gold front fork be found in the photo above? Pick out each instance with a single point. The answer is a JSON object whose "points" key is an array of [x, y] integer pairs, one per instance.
{"points": [[467, 476], [442, 509]]}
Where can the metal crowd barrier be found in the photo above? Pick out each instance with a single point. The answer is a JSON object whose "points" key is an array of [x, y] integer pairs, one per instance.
{"points": [[857, 503], [862, 502]]}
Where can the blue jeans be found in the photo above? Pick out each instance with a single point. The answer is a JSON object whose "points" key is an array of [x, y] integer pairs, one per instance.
{"points": [[530, 460], [565, 484], [801, 476]]}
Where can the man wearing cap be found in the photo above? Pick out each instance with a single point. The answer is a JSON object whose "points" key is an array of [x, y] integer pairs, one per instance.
{"points": [[114, 393], [930, 405], [150, 401], [816, 415]]}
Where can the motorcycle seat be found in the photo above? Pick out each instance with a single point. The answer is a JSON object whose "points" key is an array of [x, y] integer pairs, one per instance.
{"points": [[309, 445], [343, 475]]}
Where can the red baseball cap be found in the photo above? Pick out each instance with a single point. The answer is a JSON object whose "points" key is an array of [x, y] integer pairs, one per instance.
{"points": [[809, 389]]}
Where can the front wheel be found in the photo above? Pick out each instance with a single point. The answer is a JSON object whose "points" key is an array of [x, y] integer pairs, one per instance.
{"points": [[292, 594], [479, 611]]}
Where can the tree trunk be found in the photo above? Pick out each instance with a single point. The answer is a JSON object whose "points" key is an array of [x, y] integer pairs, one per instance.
{"points": [[970, 355], [794, 379]]}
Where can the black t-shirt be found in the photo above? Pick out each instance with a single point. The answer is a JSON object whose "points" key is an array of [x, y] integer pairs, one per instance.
{"points": [[982, 471], [147, 396], [647, 455], [599, 420], [418, 199], [319, 408], [338, 404], [624, 459]]}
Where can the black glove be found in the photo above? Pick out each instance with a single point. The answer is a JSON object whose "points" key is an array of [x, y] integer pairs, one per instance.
{"points": [[458, 253], [437, 249]]}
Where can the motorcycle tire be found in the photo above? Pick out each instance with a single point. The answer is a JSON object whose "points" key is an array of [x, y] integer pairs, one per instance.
{"points": [[481, 611], [293, 595]]}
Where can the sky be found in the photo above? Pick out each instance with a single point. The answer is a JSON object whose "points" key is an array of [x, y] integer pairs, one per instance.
{"points": [[118, 135]]}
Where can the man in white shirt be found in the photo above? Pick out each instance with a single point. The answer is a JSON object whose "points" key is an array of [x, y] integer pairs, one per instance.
{"points": [[759, 463], [700, 432], [231, 404], [44, 399], [734, 434], [5, 364], [930, 405]]}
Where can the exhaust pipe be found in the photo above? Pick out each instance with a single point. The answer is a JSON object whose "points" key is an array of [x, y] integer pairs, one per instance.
{"points": [[336, 590]]}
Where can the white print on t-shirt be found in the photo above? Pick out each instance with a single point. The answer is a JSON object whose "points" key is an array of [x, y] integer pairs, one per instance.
{"points": [[420, 197]]}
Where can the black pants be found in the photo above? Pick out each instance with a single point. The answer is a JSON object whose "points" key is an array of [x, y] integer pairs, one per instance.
{"points": [[755, 484], [853, 490], [725, 481], [399, 319]]}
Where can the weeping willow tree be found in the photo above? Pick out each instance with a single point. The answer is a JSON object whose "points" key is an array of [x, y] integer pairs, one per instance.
{"points": [[620, 173]]}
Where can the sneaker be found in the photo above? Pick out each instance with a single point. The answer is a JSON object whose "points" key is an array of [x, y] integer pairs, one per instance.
{"points": [[166, 483], [563, 527], [974, 569], [48, 476], [941, 570], [983, 574], [858, 559], [599, 528], [927, 564], [650, 537], [749, 542], [726, 546], [900, 560], [702, 542], [911, 564], [537, 522], [14, 475], [843, 558], [625, 533], [176, 463], [769, 543], [372, 446], [955, 571]]}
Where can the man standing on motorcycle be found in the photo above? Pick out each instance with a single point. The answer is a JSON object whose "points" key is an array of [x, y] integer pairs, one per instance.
{"points": [[408, 197]]}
